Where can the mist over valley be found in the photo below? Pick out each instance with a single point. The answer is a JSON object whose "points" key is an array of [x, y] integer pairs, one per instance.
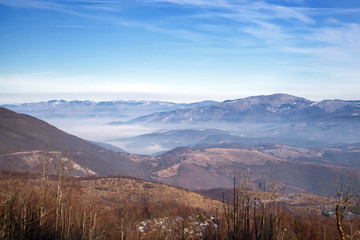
{"points": [[149, 127]]}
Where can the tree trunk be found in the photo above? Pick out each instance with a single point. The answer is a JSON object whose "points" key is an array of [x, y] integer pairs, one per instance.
{"points": [[338, 221]]}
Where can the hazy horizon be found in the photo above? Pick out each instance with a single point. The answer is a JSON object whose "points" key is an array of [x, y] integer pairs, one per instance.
{"points": [[15, 99]]}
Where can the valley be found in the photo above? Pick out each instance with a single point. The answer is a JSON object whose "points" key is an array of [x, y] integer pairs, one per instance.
{"points": [[150, 127], [282, 150]]}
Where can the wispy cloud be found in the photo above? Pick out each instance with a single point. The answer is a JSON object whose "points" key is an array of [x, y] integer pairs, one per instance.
{"points": [[267, 31], [217, 21], [336, 44], [31, 4], [327, 38], [246, 10], [257, 19]]}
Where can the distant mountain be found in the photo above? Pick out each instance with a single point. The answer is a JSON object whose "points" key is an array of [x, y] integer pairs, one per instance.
{"points": [[305, 135], [278, 118], [25, 139], [174, 138], [110, 147], [272, 108], [105, 109]]}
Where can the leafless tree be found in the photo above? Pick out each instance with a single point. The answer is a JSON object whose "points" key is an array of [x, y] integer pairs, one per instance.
{"points": [[44, 157], [346, 189], [61, 169], [237, 212]]}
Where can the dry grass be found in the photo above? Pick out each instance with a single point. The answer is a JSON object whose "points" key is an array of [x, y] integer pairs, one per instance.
{"points": [[113, 190]]}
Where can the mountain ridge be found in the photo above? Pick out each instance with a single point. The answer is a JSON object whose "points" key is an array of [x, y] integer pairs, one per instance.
{"points": [[276, 107], [101, 109]]}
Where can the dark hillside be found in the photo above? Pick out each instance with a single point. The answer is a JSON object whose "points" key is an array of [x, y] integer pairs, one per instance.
{"points": [[21, 135]]}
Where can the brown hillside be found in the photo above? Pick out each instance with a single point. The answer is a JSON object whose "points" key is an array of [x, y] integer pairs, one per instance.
{"points": [[24, 138], [115, 190], [216, 167]]}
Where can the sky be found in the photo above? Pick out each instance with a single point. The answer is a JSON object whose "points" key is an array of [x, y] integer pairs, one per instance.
{"points": [[178, 50]]}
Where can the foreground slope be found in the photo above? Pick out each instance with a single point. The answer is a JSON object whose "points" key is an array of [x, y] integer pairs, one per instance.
{"points": [[25, 139], [98, 208], [128, 208], [112, 191]]}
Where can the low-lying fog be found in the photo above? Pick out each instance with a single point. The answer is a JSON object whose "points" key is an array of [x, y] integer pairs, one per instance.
{"points": [[98, 130], [131, 138]]}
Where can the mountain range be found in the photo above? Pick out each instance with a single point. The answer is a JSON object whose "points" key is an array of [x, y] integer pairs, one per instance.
{"points": [[150, 127], [25, 140], [278, 118], [271, 108], [105, 109], [265, 108]]}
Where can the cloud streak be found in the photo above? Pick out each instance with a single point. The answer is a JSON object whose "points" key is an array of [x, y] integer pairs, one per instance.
{"points": [[256, 19], [309, 39]]}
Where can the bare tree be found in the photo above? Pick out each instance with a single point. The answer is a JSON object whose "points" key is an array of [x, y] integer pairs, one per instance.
{"points": [[238, 216], [61, 169], [346, 188], [44, 160]]}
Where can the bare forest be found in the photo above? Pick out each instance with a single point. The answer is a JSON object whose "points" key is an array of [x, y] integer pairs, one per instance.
{"points": [[38, 206]]}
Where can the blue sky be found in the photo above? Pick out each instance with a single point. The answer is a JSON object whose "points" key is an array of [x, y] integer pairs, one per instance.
{"points": [[178, 50]]}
